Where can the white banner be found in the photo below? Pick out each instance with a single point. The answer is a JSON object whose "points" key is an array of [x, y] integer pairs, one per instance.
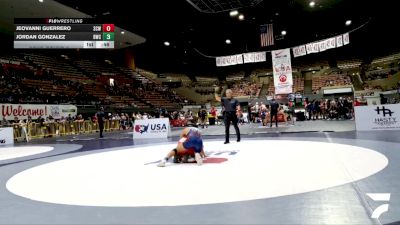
{"points": [[248, 57], [6, 136], [377, 117], [229, 60], [346, 39], [22, 111], [254, 57], [151, 128], [332, 43], [322, 45], [239, 59], [299, 51], [339, 41], [309, 48], [283, 89], [282, 68]]}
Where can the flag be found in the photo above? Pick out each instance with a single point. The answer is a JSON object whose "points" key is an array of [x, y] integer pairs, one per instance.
{"points": [[267, 35]]}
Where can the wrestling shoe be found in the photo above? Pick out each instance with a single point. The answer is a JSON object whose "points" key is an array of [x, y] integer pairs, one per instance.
{"points": [[198, 159], [176, 159], [162, 163], [191, 160]]}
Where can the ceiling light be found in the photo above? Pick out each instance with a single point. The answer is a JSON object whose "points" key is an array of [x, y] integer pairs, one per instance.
{"points": [[41, 1], [241, 17], [233, 13], [283, 32], [312, 4], [122, 32], [348, 22], [228, 41], [166, 43]]}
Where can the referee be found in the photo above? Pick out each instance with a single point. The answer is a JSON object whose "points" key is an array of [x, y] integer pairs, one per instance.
{"points": [[230, 106]]}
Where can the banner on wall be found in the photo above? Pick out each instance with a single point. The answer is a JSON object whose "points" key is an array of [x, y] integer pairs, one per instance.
{"points": [[22, 111], [282, 70], [377, 117], [6, 136], [151, 128]]}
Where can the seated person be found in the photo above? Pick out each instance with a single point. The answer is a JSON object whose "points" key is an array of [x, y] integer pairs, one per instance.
{"points": [[282, 114], [190, 145]]}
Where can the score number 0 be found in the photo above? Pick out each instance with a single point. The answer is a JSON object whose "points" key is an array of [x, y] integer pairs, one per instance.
{"points": [[108, 27]]}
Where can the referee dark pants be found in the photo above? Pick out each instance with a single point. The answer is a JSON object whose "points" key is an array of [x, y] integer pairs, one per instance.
{"points": [[274, 114], [230, 117], [101, 128]]}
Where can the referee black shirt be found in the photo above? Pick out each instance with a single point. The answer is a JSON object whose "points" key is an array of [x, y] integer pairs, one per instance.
{"points": [[229, 104]]}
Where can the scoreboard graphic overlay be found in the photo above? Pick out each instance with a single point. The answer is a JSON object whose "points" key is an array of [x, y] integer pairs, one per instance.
{"points": [[58, 33]]}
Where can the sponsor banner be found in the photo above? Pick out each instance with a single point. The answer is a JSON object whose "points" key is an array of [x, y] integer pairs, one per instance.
{"points": [[151, 128], [6, 136], [22, 111], [282, 69], [377, 117]]}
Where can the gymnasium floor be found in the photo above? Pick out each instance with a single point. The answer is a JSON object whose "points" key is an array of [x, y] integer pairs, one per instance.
{"points": [[269, 178]]}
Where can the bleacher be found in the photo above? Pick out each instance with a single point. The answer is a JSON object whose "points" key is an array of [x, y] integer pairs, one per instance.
{"points": [[64, 69], [94, 67], [245, 88], [349, 63], [176, 77], [386, 59], [59, 66], [330, 80]]}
